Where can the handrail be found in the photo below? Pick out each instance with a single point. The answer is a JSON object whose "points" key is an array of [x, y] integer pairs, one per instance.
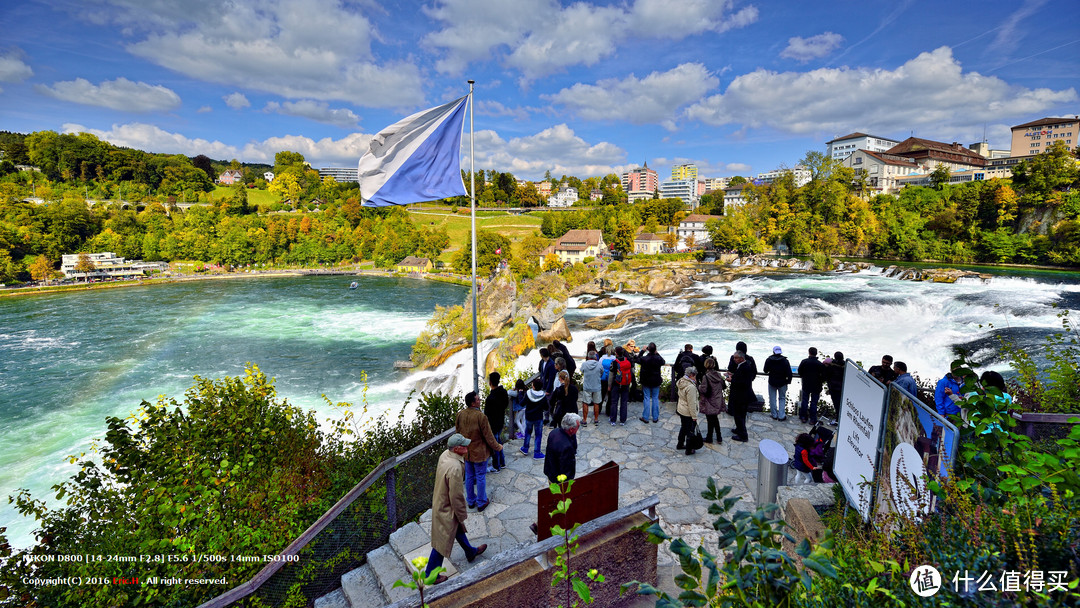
{"points": [[513, 557], [247, 588]]}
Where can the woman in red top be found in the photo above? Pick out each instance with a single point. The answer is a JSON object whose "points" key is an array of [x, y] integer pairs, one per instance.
{"points": [[621, 391]]}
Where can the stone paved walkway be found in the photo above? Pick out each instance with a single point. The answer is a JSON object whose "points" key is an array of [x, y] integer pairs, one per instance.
{"points": [[649, 464]]}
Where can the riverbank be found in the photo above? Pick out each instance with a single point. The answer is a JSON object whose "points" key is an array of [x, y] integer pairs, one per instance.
{"points": [[254, 274]]}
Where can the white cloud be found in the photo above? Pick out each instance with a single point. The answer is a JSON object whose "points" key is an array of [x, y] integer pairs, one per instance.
{"points": [[314, 49], [324, 152], [1008, 38], [494, 108], [737, 168], [541, 36], [237, 101], [930, 91], [557, 149], [12, 68], [655, 98], [120, 94], [316, 110], [805, 49], [204, 110]]}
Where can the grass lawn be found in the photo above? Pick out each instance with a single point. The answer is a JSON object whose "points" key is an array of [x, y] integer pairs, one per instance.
{"points": [[255, 196], [457, 225]]}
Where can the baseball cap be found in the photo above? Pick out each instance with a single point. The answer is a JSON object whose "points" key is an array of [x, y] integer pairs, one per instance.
{"points": [[457, 439], [776, 350]]}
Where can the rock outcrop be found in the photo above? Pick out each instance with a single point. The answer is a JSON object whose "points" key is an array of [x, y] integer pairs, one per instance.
{"points": [[604, 302]]}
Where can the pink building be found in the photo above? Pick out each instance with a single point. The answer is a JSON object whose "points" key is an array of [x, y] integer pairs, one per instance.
{"points": [[640, 183]]}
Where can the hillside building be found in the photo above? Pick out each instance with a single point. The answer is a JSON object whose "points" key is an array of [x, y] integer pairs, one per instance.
{"points": [[1034, 137], [694, 226], [341, 174], [685, 189], [576, 245], [108, 265], [230, 177], [648, 243], [800, 173], [684, 171], [842, 147], [881, 170], [930, 154]]}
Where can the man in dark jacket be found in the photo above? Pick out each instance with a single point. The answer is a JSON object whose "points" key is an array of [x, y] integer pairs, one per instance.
{"points": [[883, 372], [742, 394], [812, 374], [741, 347], [649, 376], [778, 368], [562, 449], [495, 409]]}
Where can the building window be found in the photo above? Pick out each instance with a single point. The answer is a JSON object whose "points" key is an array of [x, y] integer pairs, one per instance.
{"points": [[858, 161]]}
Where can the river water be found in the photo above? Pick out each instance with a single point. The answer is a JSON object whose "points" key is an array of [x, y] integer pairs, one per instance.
{"points": [[69, 360]]}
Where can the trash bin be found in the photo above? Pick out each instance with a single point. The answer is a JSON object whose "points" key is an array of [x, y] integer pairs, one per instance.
{"points": [[771, 470]]}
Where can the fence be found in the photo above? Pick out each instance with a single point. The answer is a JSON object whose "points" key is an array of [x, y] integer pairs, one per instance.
{"points": [[396, 491]]}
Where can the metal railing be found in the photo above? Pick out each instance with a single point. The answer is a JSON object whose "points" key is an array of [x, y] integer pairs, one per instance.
{"points": [[395, 492]]}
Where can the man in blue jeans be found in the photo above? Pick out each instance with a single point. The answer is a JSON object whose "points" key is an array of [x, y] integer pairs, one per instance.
{"points": [[535, 406], [474, 426], [650, 365]]}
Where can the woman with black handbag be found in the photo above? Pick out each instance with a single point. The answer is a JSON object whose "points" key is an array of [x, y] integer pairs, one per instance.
{"points": [[687, 410]]}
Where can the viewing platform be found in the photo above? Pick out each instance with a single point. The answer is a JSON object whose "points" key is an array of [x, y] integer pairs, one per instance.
{"points": [[649, 465]]}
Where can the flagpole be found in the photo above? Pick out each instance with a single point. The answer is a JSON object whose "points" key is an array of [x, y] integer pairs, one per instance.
{"points": [[472, 205]]}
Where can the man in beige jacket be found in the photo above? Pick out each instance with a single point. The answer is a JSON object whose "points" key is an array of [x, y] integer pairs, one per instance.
{"points": [[448, 512]]}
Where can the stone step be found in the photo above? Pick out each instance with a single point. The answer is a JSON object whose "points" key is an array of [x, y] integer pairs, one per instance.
{"points": [[406, 539], [389, 567], [360, 589], [336, 599]]}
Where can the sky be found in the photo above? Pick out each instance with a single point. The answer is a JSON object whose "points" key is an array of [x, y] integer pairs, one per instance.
{"points": [[583, 88]]}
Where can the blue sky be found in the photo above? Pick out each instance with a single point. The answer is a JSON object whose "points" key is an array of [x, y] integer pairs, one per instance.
{"points": [[580, 88]]}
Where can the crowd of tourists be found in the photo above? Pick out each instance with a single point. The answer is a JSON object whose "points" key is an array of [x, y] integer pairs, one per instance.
{"points": [[610, 375]]}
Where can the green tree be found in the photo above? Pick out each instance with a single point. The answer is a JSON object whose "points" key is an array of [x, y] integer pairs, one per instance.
{"points": [[491, 248], [41, 269], [85, 266], [939, 177], [1054, 169]]}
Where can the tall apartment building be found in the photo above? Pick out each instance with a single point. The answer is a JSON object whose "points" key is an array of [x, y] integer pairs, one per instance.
{"points": [[1035, 137], [842, 147], [684, 171], [640, 183], [685, 189]]}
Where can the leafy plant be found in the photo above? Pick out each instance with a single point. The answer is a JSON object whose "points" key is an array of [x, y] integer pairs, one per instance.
{"points": [[755, 570], [420, 581], [563, 574]]}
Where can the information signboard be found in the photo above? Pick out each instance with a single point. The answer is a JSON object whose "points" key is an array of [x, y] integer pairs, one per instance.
{"points": [[858, 437]]}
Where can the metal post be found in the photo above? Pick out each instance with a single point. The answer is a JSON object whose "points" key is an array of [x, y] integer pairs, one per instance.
{"points": [[472, 205], [391, 499]]}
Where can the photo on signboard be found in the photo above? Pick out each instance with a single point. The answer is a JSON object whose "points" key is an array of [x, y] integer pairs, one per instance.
{"points": [[918, 446]]}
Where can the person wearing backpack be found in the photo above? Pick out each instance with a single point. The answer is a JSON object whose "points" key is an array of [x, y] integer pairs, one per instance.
{"points": [[711, 389], [778, 368], [621, 377]]}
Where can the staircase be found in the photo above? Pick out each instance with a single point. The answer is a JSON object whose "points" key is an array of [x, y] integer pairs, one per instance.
{"points": [[372, 585]]}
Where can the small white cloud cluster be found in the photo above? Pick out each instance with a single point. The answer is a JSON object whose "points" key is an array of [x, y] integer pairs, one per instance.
{"points": [[120, 94], [318, 111], [805, 49], [13, 69]]}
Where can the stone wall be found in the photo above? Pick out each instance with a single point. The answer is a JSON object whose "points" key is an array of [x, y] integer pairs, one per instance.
{"points": [[618, 551]]}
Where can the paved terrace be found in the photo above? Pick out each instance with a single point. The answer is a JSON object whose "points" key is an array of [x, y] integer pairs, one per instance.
{"points": [[649, 464]]}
